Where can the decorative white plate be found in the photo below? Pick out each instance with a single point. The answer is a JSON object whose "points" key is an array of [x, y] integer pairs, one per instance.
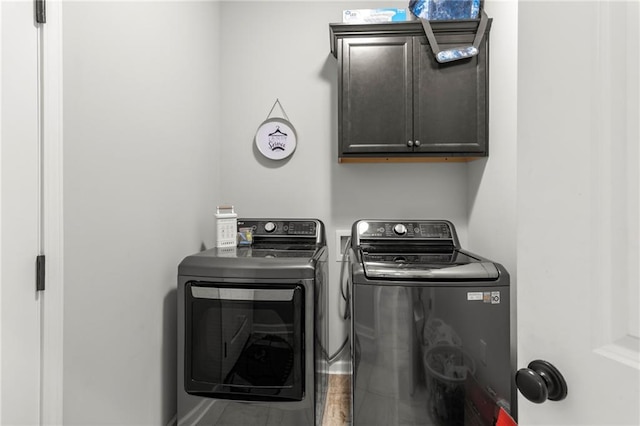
{"points": [[276, 138]]}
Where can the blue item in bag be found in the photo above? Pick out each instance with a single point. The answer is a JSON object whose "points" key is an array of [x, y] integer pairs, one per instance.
{"points": [[448, 10], [443, 10]]}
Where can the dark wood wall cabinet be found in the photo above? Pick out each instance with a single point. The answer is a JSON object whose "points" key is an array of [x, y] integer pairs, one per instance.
{"points": [[397, 103]]}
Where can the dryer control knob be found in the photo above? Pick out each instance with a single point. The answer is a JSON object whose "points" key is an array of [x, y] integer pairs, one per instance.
{"points": [[269, 226], [400, 229]]}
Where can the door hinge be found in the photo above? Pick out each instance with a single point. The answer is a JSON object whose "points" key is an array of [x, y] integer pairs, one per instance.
{"points": [[40, 272], [41, 12]]}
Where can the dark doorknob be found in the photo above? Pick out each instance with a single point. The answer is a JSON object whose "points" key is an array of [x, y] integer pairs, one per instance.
{"points": [[541, 381]]}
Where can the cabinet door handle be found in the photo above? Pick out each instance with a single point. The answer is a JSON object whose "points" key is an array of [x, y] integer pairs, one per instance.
{"points": [[410, 144], [417, 143]]}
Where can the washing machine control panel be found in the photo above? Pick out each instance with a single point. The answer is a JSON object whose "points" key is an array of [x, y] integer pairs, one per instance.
{"points": [[407, 230]]}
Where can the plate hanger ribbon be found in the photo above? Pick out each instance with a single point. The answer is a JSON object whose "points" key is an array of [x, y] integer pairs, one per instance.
{"points": [[277, 102]]}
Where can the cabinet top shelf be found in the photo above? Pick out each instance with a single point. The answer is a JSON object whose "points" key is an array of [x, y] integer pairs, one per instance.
{"points": [[404, 28]]}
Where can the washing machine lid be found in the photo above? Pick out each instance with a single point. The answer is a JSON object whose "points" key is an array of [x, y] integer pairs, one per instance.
{"points": [[421, 250], [454, 265]]}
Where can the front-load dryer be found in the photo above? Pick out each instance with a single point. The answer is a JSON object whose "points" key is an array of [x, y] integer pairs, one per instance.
{"points": [[252, 328]]}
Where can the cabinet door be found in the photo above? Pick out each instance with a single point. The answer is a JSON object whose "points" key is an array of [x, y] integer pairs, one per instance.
{"points": [[451, 101], [375, 114]]}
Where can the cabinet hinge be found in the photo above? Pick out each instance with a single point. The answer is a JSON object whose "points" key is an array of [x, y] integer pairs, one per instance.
{"points": [[40, 272], [41, 11]]}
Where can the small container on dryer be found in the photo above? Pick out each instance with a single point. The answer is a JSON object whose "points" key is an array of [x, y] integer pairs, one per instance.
{"points": [[227, 224], [245, 236]]}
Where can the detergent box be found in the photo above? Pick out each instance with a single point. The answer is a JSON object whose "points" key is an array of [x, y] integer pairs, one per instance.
{"points": [[371, 16]]}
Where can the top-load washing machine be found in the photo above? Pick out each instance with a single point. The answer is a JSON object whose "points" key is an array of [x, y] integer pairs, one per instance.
{"points": [[252, 330], [431, 333]]}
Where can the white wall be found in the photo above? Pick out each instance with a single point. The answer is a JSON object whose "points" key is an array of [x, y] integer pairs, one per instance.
{"points": [[492, 181], [141, 120]]}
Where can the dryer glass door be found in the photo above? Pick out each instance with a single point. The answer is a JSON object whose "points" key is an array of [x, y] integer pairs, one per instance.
{"points": [[244, 341]]}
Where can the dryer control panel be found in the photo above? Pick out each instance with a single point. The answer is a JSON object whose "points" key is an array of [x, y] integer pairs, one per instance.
{"points": [[281, 228]]}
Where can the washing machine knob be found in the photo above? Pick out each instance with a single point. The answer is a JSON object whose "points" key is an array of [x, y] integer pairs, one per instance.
{"points": [[269, 227], [400, 229]]}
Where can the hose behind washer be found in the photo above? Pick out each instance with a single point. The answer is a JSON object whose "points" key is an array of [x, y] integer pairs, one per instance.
{"points": [[346, 296]]}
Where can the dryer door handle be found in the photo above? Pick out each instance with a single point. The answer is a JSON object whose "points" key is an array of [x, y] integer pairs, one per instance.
{"points": [[249, 294]]}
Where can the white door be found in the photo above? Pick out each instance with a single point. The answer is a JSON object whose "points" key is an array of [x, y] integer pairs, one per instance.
{"points": [[20, 217], [578, 187]]}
